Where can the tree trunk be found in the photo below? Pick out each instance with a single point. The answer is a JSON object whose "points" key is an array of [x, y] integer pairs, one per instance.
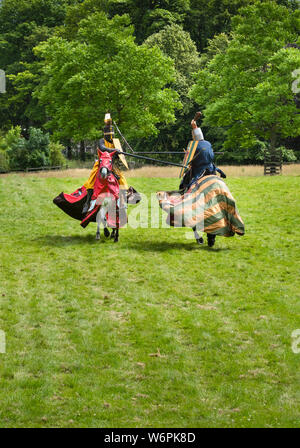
{"points": [[82, 150], [69, 152], [273, 141]]}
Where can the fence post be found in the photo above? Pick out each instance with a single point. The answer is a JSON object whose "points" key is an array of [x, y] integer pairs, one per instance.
{"points": [[272, 162]]}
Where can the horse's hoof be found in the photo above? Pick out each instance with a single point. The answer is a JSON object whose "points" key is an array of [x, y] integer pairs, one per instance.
{"points": [[106, 232], [98, 237], [200, 240], [211, 240], [116, 240]]}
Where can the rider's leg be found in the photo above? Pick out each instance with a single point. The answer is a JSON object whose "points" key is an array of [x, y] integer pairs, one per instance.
{"points": [[87, 202]]}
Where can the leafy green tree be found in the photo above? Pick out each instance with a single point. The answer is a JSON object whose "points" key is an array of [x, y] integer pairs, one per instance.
{"points": [[206, 18], [210, 17], [215, 46], [103, 69], [24, 24], [149, 16], [82, 9], [248, 87], [176, 43]]}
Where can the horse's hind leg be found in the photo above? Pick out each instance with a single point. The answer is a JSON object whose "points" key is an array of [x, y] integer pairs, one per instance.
{"points": [[115, 235], [198, 238], [98, 220], [211, 239], [98, 233], [116, 238], [106, 231]]}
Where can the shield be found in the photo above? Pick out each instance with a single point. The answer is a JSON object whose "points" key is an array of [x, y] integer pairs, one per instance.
{"points": [[118, 146], [189, 155]]}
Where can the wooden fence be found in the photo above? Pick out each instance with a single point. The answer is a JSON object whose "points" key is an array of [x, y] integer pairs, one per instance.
{"points": [[40, 168], [273, 163]]}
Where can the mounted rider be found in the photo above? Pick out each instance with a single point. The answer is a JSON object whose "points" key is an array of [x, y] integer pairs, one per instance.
{"points": [[202, 163], [107, 143]]}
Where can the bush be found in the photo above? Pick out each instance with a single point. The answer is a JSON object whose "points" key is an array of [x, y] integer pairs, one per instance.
{"points": [[239, 156], [10, 138], [56, 156], [6, 142], [31, 153], [4, 161], [288, 155]]}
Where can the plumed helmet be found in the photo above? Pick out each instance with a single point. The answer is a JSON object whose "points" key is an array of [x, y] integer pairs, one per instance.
{"points": [[108, 129]]}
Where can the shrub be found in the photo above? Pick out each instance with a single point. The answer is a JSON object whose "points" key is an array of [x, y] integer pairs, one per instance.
{"points": [[6, 142], [10, 138], [31, 153], [56, 156], [4, 161], [288, 155]]}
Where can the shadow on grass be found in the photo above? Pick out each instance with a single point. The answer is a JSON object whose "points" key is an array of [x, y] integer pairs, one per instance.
{"points": [[139, 246], [163, 246], [62, 240]]}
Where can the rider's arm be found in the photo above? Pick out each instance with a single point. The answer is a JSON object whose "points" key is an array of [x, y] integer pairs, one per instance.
{"points": [[222, 174], [196, 132], [102, 146]]}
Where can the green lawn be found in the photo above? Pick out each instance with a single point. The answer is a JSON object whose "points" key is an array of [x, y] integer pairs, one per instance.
{"points": [[152, 331]]}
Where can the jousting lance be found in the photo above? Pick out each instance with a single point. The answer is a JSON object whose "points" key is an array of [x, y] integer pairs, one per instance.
{"points": [[168, 152], [124, 139], [148, 158]]}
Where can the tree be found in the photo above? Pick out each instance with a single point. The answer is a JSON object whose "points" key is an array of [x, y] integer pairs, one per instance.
{"points": [[248, 87], [149, 16], [23, 25], [206, 18], [176, 43], [82, 9], [103, 69]]}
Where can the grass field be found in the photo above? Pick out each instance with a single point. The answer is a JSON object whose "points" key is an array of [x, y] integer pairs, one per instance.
{"points": [[153, 331]]}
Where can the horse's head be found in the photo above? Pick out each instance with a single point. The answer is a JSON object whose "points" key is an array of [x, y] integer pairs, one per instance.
{"points": [[105, 163]]}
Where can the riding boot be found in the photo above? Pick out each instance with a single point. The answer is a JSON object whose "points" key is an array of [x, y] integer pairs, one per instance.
{"points": [[87, 202]]}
